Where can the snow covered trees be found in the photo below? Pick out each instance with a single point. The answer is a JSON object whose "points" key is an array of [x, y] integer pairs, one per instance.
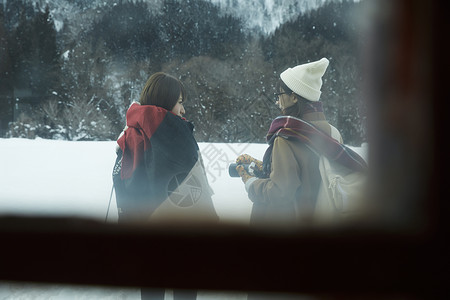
{"points": [[100, 61]]}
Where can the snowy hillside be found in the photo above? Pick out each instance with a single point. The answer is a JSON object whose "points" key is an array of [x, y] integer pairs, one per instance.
{"points": [[264, 15]]}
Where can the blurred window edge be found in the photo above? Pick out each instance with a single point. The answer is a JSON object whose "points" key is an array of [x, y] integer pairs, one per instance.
{"points": [[400, 255]]}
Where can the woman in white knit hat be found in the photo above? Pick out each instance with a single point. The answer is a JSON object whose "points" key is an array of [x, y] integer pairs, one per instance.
{"points": [[284, 186]]}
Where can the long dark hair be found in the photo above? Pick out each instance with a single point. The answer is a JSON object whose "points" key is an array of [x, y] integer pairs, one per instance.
{"points": [[162, 90]]}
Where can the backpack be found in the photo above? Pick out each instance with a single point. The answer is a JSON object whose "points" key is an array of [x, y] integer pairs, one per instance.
{"points": [[341, 192]]}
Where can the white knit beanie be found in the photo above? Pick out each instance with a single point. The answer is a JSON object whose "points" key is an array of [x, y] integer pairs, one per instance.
{"points": [[306, 80]]}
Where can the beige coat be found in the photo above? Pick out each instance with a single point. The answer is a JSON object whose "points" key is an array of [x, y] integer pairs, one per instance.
{"points": [[288, 196]]}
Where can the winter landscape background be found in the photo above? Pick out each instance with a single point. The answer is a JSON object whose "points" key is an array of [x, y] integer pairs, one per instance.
{"points": [[70, 68]]}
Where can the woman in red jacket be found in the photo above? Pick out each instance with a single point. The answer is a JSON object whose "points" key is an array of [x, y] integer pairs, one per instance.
{"points": [[159, 174]]}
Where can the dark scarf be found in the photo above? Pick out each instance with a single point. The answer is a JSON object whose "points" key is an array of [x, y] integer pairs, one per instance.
{"points": [[148, 126], [297, 129], [156, 147]]}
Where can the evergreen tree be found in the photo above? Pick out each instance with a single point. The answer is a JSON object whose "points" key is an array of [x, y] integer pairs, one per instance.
{"points": [[128, 29], [33, 53], [46, 64], [5, 70], [20, 52], [194, 28], [5, 66]]}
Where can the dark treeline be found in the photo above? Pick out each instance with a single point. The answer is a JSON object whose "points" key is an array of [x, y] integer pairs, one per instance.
{"points": [[77, 84]]}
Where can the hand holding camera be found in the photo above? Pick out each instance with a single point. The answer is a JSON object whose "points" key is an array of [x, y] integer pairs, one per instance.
{"points": [[245, 167]]}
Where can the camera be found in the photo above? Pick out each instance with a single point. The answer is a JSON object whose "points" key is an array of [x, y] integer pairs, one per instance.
{"points": [[232, 169]]}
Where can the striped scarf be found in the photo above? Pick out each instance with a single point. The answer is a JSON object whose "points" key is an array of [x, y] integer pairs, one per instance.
{"points": [[322, 144]]}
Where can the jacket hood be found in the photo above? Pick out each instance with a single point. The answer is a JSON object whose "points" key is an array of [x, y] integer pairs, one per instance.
{"points": [[145, 118]]}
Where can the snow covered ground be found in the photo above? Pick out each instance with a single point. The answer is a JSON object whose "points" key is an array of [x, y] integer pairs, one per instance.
{"points": [[51, 177], [48, 177]]}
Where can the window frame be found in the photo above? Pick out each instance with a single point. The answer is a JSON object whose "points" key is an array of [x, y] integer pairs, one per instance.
{"points": [[389, 256]]}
